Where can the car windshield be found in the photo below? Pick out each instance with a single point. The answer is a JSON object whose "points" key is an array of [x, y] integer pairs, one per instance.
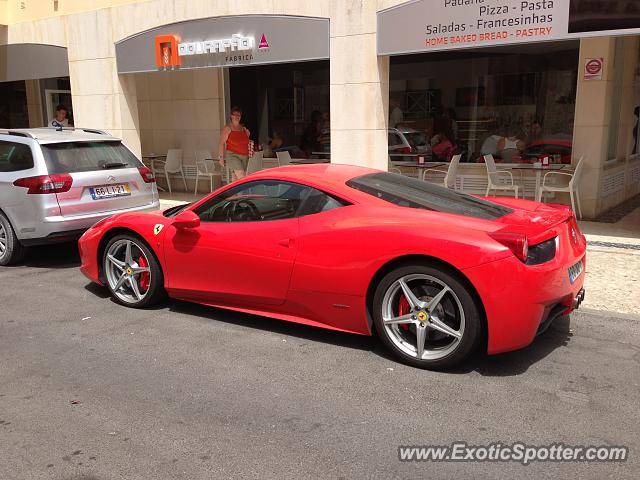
{"points": [[71, 157], [410, 192]]}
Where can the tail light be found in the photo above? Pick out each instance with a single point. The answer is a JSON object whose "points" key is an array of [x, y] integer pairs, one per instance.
{"points": [[516, 242], [405, 150], [147, 175], [44, 184], [579, 238]]}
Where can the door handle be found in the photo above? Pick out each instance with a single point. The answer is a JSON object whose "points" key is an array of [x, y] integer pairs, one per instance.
{"points": [[286, 242]]}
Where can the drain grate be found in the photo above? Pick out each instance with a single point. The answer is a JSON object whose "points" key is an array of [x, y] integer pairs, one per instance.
{"points": [[627, 246]]}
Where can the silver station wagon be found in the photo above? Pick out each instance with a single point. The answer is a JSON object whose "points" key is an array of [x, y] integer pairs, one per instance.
{"points": [[56, 183]]}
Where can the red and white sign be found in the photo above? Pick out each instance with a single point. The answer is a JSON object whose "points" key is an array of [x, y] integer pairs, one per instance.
{"points": [[167, 51], [593, 68]]}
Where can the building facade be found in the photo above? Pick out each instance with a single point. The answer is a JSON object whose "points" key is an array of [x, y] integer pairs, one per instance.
{"points": [[332, 76]]}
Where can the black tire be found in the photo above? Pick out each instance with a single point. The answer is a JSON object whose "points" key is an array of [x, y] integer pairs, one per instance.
{"points": [[473, 324], [155, 292], [14, 251]]}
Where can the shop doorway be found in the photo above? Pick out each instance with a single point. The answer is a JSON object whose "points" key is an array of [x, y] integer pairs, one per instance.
{"points": [[285, 106]]}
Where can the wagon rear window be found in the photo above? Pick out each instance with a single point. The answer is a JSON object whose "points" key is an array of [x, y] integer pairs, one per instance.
{"points": [[410, 192], [71, 157]]}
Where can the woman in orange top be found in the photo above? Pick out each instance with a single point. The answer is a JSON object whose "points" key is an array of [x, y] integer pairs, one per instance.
{"points": [[234, 144]]}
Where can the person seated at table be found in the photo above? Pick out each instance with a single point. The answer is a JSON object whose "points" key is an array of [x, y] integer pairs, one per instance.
{"points": [[276, 141], [442, 148], [510, 146]]}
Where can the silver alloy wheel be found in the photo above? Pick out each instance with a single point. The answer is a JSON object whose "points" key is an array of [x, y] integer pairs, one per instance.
{"points": [[433, 326], [3, 241], [124, 272]]}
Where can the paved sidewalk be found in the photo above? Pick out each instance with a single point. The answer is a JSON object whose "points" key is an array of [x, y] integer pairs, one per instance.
{"points": [[613, 260], [613, 264]]}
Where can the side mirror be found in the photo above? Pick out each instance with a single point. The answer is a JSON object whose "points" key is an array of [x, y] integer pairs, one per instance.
{"points": [[186, 219]]}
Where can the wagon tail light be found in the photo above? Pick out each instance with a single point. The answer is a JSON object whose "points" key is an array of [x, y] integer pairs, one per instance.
{"points": [[406, 150], [147, 175], [44, 184], [516, 242]]}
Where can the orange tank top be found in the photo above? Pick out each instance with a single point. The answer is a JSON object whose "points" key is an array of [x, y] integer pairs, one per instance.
{"points": [[238, 142]]}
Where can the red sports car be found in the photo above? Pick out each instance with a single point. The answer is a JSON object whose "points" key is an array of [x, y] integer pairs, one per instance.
{"points": [[433, 272]]}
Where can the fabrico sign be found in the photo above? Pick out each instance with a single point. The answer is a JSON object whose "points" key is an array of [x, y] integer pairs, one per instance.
{"points": [[428, 25], [224, 42], [169, 49]]}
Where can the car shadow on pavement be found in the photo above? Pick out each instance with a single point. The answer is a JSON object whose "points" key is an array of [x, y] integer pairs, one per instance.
{"points": [[501, 365], [515, 363], [60, 255], [273, 325], [99, 291]]}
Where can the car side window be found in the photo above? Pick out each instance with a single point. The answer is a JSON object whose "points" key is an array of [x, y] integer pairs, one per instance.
{"points": [[394, 139], [318, 202], [261, 200], [15, 157]]}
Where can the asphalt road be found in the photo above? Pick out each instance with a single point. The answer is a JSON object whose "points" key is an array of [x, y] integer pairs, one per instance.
{"points": [[94, 391]]}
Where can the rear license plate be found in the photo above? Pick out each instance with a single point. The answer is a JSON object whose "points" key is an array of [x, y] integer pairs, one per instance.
{"points": [[575, 271], [110, 191]]}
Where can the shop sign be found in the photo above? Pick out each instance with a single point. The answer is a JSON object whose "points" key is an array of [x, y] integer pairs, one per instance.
{"points": [[431, 25], [225, 41], [593, 68], [169, 48]]}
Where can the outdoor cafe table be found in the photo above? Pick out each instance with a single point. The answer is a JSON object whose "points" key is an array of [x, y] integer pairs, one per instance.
{"points": [[554, 167]]}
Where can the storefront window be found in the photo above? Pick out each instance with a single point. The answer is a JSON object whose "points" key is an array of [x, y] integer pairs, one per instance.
{"points": [[516, 103], [286, 107]]}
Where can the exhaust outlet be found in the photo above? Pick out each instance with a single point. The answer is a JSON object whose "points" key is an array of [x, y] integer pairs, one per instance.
{"points": [[578, 299]]}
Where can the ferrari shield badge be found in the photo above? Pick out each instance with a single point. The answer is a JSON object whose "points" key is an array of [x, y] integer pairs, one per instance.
{"points": [[158, 228]]}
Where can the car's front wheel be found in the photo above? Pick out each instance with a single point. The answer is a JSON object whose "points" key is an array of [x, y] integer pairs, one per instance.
{"points": [[426, 316], [132, 272], [11, 250]]}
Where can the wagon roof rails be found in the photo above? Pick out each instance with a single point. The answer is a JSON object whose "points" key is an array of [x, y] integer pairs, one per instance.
{"points": [[16, 133], [73, 129], [93, 130]]}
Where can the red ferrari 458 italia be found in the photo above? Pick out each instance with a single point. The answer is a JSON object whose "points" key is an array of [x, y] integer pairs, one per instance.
{"points": [[434, 273]]}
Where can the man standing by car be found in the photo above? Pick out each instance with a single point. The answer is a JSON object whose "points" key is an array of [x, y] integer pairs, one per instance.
{"points": [[60, 120]]}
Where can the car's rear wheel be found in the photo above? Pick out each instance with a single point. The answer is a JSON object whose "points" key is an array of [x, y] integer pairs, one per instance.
{"points": [[11, 250], [132, 272], [426, 316]]}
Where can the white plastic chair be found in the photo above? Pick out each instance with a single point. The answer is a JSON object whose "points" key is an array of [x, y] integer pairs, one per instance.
{"points": [[173, 164], [449, 174], [206, 167], [493, 177], [255, 163], [391, 168], [284, 158], [571, 188]]}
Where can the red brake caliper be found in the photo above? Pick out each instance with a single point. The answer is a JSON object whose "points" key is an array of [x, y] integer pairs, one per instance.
{"points": [[403, 309], [145, 277]]}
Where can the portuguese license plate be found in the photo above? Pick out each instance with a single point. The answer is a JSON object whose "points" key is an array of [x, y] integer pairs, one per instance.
{"points": [[575, 271], [110, 191]]}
